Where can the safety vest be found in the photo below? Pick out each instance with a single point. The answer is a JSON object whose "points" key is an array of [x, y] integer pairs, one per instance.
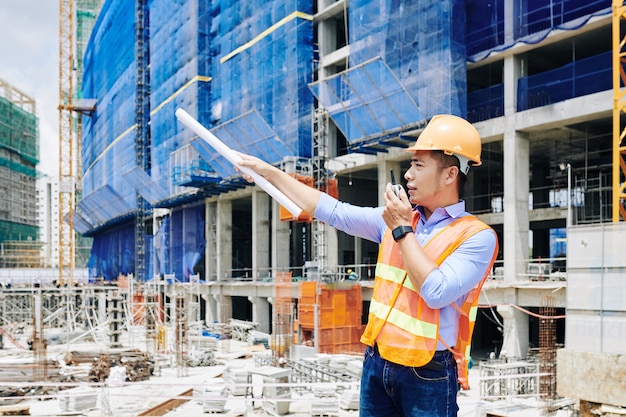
{"points": [[405, 329]]}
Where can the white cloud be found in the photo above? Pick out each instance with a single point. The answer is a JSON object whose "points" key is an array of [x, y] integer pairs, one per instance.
{"points": [[29, 61]]}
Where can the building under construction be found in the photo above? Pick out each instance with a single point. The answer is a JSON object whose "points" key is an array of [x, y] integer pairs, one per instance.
{"points": [[19, 156], [332, 91]]}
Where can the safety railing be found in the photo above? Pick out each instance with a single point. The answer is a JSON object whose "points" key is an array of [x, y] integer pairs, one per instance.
{"points": [[536, 269], [309, 272]]}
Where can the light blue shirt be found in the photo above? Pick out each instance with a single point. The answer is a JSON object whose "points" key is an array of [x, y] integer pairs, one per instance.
{"points": [[452, 281]]}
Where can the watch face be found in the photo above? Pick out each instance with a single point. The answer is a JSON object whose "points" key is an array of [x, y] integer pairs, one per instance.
{"points": [[401, 231]]}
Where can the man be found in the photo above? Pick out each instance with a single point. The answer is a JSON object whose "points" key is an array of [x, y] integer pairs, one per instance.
{"points": [[432, 262], [352, 276]]}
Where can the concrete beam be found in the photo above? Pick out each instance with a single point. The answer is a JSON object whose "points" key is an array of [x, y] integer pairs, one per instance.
{"points": [[526, 296], [575, 110]]}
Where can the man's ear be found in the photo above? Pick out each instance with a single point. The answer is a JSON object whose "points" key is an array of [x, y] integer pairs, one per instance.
{"points": [[452, 173]]}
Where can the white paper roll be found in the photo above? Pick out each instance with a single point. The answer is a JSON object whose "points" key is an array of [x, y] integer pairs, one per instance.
{"points": [[235, 159]]}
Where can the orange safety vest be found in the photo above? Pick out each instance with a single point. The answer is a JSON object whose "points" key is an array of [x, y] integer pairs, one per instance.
{"points": [[404, 327]]}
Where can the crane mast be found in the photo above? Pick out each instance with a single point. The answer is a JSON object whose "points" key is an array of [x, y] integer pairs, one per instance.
{"points": [[619, 108], [67, 183]]}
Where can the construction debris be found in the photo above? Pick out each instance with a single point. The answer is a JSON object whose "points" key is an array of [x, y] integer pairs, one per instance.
{"points": [[201, 357], [139, 366]]}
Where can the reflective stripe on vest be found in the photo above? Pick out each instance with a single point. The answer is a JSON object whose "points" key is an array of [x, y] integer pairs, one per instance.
{"points": [[400, 321], [403, 320]]}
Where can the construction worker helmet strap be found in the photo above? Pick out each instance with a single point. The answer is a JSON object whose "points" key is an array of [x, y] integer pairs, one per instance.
{"points": [[454, 136]]}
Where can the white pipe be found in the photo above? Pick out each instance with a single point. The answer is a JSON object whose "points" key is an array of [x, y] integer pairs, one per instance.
{"points": [[235, 159]]}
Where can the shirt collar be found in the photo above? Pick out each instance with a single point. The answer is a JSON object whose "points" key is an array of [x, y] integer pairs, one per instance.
{"points": [[453, 210]]}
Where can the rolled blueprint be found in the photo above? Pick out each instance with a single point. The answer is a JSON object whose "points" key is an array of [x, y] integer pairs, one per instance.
{"points": [[235, 159]]}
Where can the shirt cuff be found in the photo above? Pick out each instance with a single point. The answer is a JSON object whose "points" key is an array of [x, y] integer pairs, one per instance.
{"points": [[325, 207]]}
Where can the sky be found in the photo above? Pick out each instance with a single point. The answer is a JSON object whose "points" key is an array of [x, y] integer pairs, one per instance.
{"points": [[29, 61]]}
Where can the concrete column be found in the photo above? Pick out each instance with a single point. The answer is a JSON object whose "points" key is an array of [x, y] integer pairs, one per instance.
{"points": [[509, 22], [260, 233], [332, 247], [516, 188], [514, 68], [516, 247], [516, 222], [261, 313], [220, 305], [280, 241], [211, 310], [515, 340], [224, 238], [210, 251], [358, 252], [102, 307]]}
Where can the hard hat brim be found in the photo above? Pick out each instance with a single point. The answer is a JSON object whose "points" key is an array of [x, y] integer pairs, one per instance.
{"points": [[418, 147]]}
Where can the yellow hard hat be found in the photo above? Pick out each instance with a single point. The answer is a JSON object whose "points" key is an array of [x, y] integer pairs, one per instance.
{"points": [[454, 136]]}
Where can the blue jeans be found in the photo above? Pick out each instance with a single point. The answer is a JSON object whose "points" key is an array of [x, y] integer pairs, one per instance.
{"points": [[392, 390]]}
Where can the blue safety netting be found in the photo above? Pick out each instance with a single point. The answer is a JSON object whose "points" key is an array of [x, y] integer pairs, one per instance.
{"points": [[421, 42], [484, 25], [220, 61], [176, 248], [185, 226], [368, 103], [248, 134], [533, 20], [150, 191], [81, 224], [578, 78], [103, 204], [113, 254], [179, 77], [263, 61], [485, 103]]}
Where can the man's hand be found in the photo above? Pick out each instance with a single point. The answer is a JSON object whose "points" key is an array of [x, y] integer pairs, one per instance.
{"points": [[302, 195], [398, 210], [257, 165]]}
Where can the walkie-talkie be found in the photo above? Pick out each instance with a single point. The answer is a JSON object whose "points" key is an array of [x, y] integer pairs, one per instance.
{"points": [[396, 187]]}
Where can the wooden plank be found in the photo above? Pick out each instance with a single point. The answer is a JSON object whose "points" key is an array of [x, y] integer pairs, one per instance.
{"points": [[14, 410]]}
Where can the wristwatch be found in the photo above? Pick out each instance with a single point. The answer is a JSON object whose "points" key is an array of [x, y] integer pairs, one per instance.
{"points": [[401, 231]]}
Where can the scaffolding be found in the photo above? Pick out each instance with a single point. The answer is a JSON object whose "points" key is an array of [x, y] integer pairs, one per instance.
{"points": [[501, 380], [282, 332], [19, 156], [154, 314], [20, 253]]}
